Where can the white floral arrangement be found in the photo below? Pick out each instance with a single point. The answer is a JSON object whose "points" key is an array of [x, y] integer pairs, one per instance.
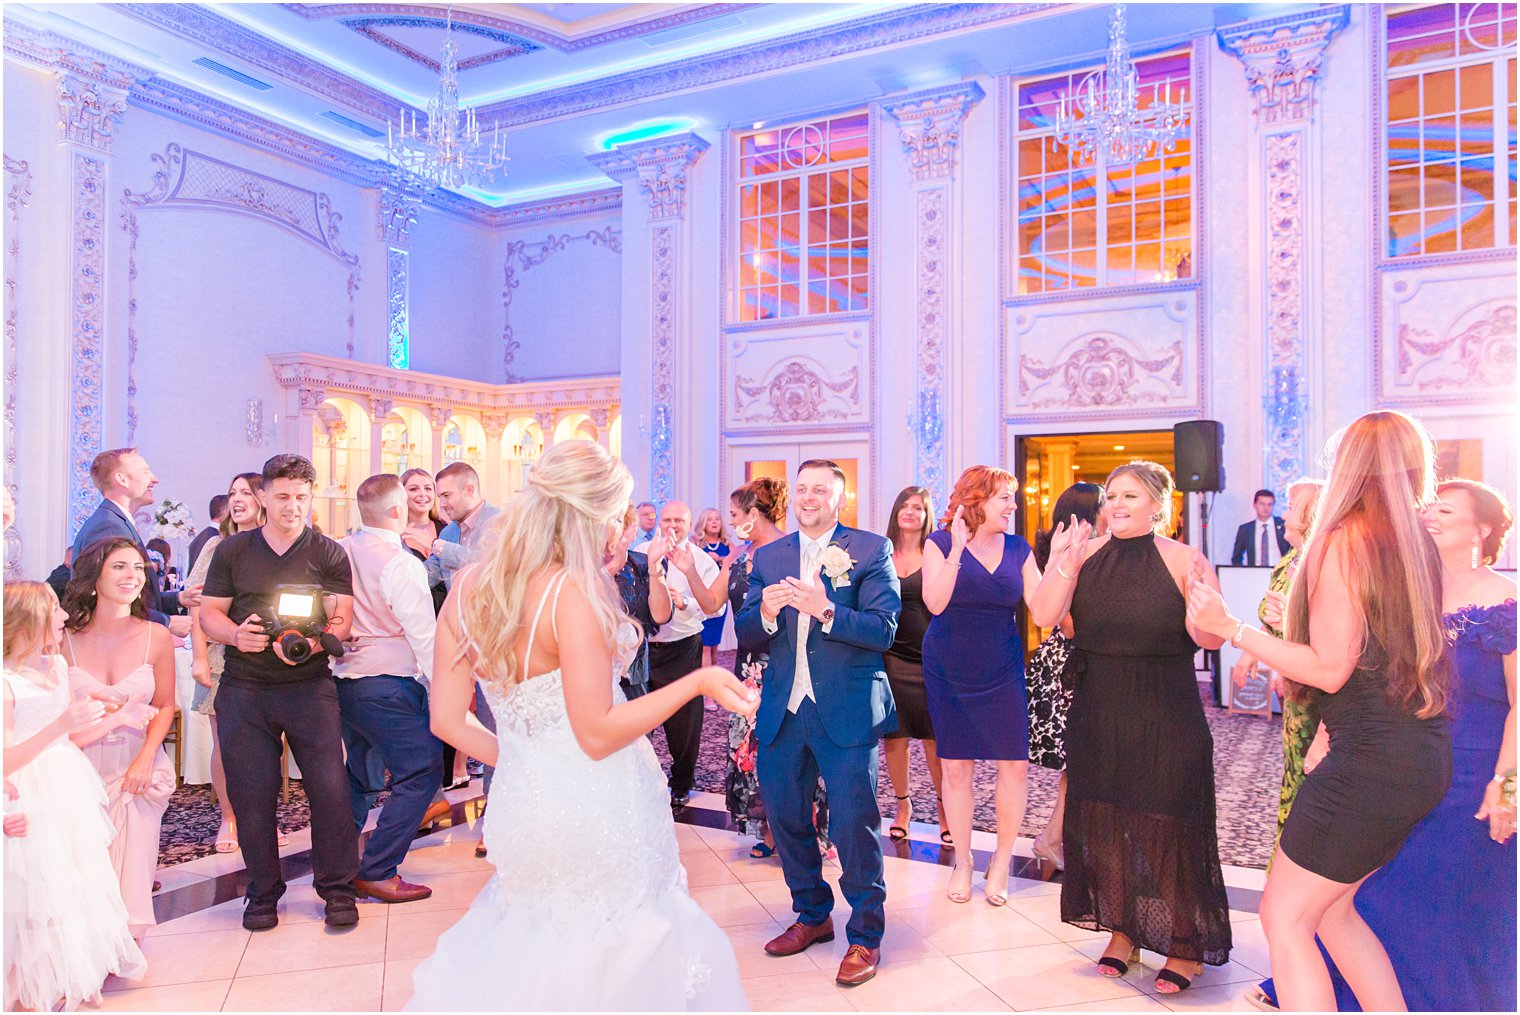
{"points": [[172, 520]]}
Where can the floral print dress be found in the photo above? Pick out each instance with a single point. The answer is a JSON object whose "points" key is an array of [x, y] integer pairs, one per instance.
{"points": [[741, 787]]}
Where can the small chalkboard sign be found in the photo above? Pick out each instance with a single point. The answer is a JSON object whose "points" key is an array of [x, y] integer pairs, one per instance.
{"points": [[1254, 695]]}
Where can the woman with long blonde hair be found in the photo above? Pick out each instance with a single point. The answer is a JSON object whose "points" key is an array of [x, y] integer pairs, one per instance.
{"points": [[579, 825], [1364, 642]]}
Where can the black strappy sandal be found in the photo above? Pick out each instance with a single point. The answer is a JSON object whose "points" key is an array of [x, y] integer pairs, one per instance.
{"points": [[1176, 979], [897, 833], [1118, 965]]}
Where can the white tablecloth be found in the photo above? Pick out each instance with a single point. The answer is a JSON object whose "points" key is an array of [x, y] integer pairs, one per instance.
{"points": [[196, 727]]}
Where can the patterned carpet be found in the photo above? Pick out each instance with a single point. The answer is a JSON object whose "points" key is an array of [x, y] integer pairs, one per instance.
{"points": [[1247, 773]]}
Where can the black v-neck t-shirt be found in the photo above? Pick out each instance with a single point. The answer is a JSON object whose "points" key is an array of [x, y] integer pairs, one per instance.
{"points": [[245, 569]]}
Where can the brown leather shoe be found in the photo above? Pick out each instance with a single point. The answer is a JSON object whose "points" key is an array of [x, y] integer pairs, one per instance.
{"points": [[437, 811], [391, 890], [798, 936], [859, 965]]}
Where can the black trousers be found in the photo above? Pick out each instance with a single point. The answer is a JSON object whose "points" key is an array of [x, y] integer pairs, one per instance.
{"points": [[669, 662], [250, 721]]}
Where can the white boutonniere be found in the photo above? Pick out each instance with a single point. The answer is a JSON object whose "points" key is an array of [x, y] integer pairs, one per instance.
{"points": [[836, 564]]}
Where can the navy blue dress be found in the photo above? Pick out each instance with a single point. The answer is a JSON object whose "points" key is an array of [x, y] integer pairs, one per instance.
{"points": [[974, 660]]}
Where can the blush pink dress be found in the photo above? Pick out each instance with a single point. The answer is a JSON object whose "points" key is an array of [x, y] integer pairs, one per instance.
{"points": [[137, 816]]}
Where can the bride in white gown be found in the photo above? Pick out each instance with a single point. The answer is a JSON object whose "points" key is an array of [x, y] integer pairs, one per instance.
{"points": [[588, 909]]}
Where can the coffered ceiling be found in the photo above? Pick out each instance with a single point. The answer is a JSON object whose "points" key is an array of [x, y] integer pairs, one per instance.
{"points": [[567, 79]]}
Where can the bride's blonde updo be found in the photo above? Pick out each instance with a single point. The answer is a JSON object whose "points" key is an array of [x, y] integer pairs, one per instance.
{"points": [[568, 516]]}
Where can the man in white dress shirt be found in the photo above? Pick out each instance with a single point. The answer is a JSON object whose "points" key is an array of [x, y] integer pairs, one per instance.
{"points": [[676, 648], [383, 690]]}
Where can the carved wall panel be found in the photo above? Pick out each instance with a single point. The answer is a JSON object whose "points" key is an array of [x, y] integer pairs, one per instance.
{"points": [[1126, 355], [799, 378], [1447, 335]]}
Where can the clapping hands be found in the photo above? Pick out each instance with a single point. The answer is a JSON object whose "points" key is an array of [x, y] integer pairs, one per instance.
{"points": [[1068, 544]]}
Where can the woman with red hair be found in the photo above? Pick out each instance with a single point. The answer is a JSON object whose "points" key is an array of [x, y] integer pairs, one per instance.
{"points": [[975, 574]]}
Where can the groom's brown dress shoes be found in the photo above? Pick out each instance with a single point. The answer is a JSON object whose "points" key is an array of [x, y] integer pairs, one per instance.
{"points": [[798, 936], [392, 889], [859, 965]]}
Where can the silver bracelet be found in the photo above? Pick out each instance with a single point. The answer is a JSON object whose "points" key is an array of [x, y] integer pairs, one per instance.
{"points": [[1063, 574]]}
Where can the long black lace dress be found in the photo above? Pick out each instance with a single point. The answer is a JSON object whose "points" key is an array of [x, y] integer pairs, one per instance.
{"points": [[1142, 853]]}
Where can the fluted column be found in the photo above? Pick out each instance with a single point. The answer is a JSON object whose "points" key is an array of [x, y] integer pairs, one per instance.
{"points": [[653, 174], [1282, 58], [929, 127], [494, 424], [379, 408]]}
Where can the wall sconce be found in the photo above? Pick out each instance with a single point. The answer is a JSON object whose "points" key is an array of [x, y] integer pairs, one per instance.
{"points": [[253, 425]]}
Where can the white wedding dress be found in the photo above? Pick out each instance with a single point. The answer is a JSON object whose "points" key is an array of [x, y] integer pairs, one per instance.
{"points": [[588, 909]]}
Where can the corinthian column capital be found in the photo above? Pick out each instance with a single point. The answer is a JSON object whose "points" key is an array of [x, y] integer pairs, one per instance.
{"points": [[1282, 58]]}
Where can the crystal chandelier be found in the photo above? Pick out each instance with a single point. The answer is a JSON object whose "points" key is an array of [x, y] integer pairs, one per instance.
{"points": [[449, 150], [1105, 112]]}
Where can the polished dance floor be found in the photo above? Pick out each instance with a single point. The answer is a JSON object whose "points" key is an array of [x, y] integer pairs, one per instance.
{"points": [[937, 955]]}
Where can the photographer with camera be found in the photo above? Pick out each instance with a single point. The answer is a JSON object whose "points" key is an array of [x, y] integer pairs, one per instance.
{"points": [[280, 597], [383, 690]]}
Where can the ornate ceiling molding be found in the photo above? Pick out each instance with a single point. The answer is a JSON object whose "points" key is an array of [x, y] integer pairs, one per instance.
{"points": [[207, 28], [370, 27], [1282, 58], [562, 41], [815, 45]]}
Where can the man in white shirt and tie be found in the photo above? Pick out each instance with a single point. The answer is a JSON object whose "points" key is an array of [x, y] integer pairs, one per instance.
{"points": [[676, 648], [383, 690], [1261, 541]]}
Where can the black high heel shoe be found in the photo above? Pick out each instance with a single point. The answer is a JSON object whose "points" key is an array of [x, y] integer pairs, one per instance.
{"points": [[1118, 965], [897, 833]]}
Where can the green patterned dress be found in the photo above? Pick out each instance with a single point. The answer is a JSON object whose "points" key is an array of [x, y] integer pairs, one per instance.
{"points": [[1300, 720]]}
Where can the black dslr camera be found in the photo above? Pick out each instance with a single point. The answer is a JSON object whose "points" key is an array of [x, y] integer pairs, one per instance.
{"points": [[297, 614]]}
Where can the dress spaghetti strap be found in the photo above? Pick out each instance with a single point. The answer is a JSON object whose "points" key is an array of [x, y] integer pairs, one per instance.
{"points": [[555, 584]]}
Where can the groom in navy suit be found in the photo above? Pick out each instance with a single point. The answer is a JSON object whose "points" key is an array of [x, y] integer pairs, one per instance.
{"points": [[826, 598]]}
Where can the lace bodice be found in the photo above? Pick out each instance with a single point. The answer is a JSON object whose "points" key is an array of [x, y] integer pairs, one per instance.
{"points": [[36, 706]]}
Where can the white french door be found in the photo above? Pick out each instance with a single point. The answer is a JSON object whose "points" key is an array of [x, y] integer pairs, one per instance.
{"points": [[752, 457]]}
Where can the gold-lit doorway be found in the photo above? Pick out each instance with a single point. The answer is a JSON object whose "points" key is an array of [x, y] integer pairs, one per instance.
{"points": [[1046, 465]]}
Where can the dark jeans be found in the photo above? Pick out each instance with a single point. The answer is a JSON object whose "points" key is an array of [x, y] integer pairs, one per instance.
{"points": [[249, 722], [385, 719], [669, 662], [488, 720]]}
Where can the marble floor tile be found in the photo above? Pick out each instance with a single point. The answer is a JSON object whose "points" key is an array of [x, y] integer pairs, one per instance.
{"points": [[1224, 997], [398, 983], [1044, 911], [207, 995], [688, 839], [212, 955], [930, 984], [1039, 976], [813, 990], [302, 946], [342, 988], [957, 929], [1131, 1004], [441, 857], [414, 935], [705, 868], [228, 916], [730, 905]]}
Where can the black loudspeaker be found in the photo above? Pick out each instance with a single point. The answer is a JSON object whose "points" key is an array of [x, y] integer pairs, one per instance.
{"points": [[1198, 450]]}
